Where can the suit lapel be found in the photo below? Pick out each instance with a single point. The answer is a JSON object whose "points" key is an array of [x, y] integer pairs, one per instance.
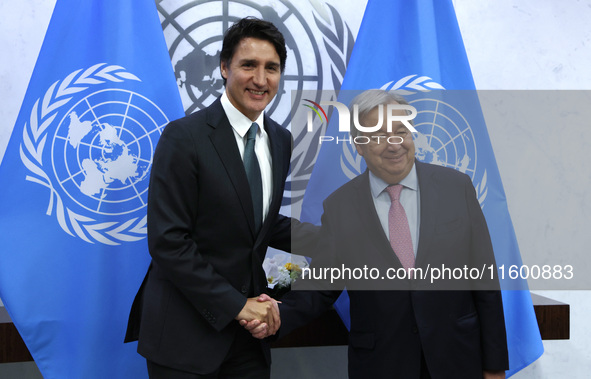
{"points": [[370, 222], [223, 139], [277, 172], [428, 198]]}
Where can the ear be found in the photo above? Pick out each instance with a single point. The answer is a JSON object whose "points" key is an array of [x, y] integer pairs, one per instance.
{"points": [[224, 70], [359, 149]]}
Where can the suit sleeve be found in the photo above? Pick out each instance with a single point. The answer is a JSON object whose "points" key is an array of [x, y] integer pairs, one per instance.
{"points": [[487, 298], [294, 236], [172, 205], [310, 299]]}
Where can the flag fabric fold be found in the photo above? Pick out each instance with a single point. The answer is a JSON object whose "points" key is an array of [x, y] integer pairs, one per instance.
{"points": [[74, 183], [416, 47]]}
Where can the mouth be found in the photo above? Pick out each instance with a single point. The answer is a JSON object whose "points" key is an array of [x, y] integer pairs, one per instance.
{"points": [[396, 158], [258, 93]]}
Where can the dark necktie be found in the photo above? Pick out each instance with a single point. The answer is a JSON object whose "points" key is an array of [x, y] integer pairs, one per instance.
{"points": [[253, 173]]}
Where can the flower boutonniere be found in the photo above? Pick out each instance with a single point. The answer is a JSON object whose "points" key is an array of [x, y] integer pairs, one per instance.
{"points": [[282, 270]]}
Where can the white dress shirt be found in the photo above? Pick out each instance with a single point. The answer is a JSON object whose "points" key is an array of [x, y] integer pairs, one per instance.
{"points": [[240, 125]]}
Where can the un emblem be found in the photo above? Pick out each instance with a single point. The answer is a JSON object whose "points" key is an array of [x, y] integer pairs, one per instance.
{"points": [[194, 33], [444, 137], [101, 141]]}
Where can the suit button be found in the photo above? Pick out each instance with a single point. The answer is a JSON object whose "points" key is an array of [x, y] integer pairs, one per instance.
{"points": [[244, 290], [415, 330]]}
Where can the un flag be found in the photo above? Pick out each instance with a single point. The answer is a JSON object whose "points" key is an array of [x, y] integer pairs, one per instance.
{"points": [[74, 184]]}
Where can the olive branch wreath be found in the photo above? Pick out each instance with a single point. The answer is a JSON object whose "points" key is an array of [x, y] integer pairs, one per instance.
{"points": [[338, 42], [35, 133]]}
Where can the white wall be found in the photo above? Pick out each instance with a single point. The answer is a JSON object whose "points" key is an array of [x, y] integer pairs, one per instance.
{"points": [[22, 30], [511, 44], [540, 45]]}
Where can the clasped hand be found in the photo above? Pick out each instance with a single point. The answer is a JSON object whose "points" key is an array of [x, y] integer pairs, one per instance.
{"points": [[260, 316]]}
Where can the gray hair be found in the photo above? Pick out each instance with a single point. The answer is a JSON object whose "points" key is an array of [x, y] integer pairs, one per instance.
{"points": [[370, 99]]}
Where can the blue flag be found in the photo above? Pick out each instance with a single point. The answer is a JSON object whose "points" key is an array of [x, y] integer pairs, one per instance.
{"points": [[74, 186], [415, 47]]}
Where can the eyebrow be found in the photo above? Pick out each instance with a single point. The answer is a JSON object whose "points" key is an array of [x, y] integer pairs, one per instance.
{"points": [[256, 61], [251, 61]]}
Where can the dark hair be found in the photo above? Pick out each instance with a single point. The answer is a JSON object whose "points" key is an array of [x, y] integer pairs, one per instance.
{"points": [[254, 28]]}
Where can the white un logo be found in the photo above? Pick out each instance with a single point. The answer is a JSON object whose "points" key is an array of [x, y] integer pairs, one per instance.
{"points": [[91, 143], [444, 137], [102, 151]]}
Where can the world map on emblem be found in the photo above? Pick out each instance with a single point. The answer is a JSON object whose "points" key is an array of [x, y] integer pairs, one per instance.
{"points": [[115, 162], [444, 136], [103, 148]]}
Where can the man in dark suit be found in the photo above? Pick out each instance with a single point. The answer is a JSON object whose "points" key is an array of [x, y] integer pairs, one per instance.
{"points": [[216, 187], [407, 216]]}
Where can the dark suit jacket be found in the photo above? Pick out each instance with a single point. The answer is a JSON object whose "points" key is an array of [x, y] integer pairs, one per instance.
{"points": [[206, 258], [460, 332]]}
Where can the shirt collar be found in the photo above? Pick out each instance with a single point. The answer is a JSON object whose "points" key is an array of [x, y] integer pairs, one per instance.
{"points": [[378, 185], [239, 121]]}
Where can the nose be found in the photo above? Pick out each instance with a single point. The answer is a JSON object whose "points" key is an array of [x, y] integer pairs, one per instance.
{"points": [[394, 145], [259, 77]]}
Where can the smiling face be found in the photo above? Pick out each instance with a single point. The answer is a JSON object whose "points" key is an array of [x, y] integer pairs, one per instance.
{"points": [[252, 76], [388, 161]]}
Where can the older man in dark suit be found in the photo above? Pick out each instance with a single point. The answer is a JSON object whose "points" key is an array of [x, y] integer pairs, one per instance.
{"points": [[406, 216], [216, 188]]}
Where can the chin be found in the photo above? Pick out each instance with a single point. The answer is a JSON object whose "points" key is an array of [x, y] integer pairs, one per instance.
{"points": [[258, 106]]}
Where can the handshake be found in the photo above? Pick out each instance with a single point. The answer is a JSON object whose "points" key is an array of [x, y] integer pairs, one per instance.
{"points": [[260, 316]]}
